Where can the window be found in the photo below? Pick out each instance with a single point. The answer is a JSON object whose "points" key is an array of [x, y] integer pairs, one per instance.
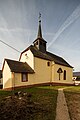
{"points": [[48, 63], [24, 77], [26, 55], [59, 72], [0, 75], [40, 43], [64, 74], [44, 44], [37, 43]]}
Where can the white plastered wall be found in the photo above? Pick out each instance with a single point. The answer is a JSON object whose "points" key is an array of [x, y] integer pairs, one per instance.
{"points": [[7, 78], [28, 57], [42, 71], [55, 75]]}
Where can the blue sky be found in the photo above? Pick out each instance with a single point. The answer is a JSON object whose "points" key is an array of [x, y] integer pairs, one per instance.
{"points": [[60, 27]]}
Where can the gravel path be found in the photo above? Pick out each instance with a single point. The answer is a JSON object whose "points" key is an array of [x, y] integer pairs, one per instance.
{"points": [[62, 110]]}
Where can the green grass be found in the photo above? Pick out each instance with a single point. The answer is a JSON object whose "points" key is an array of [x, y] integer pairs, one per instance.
{"points": [[45, 96], [4, 94], [74, 89]]}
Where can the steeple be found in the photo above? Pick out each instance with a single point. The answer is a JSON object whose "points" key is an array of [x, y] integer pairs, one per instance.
{"points": [[39, 28], [40, 43]]}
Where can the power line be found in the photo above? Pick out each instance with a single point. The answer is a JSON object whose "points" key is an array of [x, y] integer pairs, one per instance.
{"points": [[10, 46]]}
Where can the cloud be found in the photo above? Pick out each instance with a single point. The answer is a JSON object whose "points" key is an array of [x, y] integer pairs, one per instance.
{"points": [[72, 18]]}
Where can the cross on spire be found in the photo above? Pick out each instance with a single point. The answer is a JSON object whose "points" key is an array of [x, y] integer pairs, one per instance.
{"points": [[39, 16]]}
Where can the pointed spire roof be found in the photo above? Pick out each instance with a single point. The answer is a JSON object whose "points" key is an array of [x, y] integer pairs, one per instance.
{"points": [[39, 29], [39, 35]]}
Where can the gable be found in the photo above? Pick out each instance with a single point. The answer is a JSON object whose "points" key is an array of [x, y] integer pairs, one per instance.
{"points": [[37, 53], [27, 56]]}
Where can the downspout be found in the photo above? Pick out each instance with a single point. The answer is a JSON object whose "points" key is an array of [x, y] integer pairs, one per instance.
{"points": [[51, 75], [13, 82], [52, 72]]}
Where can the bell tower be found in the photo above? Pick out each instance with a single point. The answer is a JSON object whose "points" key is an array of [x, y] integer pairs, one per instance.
{"points": [[40, 43]]}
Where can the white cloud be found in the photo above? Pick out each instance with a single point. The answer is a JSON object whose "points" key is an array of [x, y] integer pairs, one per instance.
{"points": [[75, 15]]}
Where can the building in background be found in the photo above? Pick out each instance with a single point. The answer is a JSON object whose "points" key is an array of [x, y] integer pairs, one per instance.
{"points": [[76, 78]]}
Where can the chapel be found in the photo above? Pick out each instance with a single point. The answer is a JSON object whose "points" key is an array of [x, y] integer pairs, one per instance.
{"points": [[36, 66]]}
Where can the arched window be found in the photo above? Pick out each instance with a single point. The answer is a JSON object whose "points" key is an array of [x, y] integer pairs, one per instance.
{"points": [[59, 71], [64, 74]]}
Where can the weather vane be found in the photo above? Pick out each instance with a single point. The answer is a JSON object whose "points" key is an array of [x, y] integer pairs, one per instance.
{"points": [[39, 16]]}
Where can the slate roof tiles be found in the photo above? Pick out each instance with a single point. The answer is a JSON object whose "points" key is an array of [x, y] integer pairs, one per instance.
{"points": [[19, 67], [47, 56]]}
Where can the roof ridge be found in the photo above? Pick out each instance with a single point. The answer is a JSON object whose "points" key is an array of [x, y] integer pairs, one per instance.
{"points": [[54, 54], [26, 49], [47, 56], [14, 60]]}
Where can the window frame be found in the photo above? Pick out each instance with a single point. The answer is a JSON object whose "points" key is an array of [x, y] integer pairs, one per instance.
{"points": [[1, 75], [64, 75], [24, 77], [41, 43], [36, 43], [44, 44], [48, 63]]}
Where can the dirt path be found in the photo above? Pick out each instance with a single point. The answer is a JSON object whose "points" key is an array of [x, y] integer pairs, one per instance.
{"points": [[61, 110]]}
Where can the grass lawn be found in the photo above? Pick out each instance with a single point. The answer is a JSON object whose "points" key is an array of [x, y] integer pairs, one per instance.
{"points": [[45, 96], [73, 101]]}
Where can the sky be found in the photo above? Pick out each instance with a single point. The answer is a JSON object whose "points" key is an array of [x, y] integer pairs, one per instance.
{"points": [[60, 20]]}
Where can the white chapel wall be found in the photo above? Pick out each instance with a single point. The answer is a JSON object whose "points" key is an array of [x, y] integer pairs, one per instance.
{"points": [[28, 57], [7, 80]]}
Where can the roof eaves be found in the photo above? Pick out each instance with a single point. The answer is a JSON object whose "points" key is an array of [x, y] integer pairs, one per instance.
{"points": [[59, 60], [24, 67], [26, 49], [39, 39], [63, 64]]}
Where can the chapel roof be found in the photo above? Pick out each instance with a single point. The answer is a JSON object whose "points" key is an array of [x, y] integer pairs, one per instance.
{"points": [[19, 67], [40, 50], [47, 56], [59, 60]]}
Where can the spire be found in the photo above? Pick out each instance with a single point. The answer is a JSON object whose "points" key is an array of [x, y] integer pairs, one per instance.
{"points": [[39, 29], [40, 43]]}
